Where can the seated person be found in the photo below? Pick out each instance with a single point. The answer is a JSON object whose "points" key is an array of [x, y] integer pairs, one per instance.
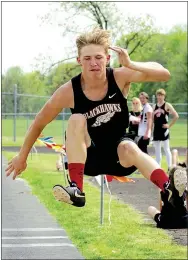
{"points": [[172, 216]]}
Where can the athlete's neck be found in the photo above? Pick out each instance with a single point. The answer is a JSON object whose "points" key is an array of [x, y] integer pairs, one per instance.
{"points": [[99, 83], [160, 103]]}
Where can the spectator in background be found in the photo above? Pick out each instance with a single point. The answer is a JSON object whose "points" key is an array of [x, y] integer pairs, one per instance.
{"points": [[145, 125], [161, 127], [173, 216], [135, 112]]}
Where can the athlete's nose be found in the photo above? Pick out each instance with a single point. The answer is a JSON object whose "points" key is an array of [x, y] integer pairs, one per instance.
{"points": [[93, 62]]}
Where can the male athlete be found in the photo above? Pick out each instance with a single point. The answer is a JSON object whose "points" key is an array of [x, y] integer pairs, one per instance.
{"points": [[96, 140], [161, 133]]}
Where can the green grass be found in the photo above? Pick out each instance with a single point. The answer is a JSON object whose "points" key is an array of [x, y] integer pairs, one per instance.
{"points": [[127, 238], [55, 128]]}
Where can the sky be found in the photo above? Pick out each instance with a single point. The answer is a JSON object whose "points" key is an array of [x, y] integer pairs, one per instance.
{"points": [[25, 40]]}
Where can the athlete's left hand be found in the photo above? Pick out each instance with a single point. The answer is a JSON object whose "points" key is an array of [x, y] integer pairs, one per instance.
{"points": [[123, 56], [166, 126]]}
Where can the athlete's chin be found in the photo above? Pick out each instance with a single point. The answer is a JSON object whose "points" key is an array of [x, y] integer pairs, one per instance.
{"points": [[96, 74]]}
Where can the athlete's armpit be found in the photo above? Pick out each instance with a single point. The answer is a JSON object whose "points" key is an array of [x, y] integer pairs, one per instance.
{"points": [[62, 98], [126, 89]]}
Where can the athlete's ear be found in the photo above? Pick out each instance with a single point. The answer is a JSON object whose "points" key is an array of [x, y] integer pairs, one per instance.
{"points": [[108, 58], [78, 60]]}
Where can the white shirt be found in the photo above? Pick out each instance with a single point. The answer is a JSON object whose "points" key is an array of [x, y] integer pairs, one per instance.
{"points": [[143, 123]]}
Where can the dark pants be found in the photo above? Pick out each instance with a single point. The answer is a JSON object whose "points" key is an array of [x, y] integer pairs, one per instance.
{"points": [[143, 144], [170, 222]]}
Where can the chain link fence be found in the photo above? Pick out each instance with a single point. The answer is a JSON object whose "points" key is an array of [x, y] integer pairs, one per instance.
{"points": [[19, 110]]}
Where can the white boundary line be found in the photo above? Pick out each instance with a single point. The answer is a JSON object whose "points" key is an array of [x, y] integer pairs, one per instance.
{"points": [[32, 229], [38, 237], [38, 245]]}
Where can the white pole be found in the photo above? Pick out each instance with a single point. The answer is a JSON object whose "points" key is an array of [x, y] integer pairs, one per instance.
{"points": [[102, 201]]}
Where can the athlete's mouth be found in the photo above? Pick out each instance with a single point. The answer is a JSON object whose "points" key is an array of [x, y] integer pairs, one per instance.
{"points": [[95, 70]]}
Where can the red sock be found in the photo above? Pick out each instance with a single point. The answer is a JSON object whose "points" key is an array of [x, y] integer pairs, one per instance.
{"points": [[159, 177], [76, 172]]}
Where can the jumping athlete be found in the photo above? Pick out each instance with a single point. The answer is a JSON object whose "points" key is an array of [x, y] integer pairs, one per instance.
{"points": [[96, 139], [161, 132]]}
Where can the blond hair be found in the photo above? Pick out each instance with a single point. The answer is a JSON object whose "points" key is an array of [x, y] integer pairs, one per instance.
{"points": [[144, 94], [96, 36], [161, 91], [138, 106]]}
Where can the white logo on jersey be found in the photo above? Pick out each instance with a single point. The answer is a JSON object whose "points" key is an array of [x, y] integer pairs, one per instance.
{"points": [[101, 109], [158, 112], [112, 95], [103, 119]]}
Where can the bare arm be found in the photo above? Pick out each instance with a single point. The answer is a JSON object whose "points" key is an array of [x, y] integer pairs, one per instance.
{"points": [[152, 127], [139, 71], [144, 72], [149, 125], [62, 98], [173, 112], [147, 71]]}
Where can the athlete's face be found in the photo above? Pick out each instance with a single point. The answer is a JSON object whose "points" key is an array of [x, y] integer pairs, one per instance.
{"points": [[160, 98], [143, 99], [93, 60]]}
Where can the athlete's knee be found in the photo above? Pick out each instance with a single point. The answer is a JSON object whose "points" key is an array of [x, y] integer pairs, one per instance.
{"points": [[77, 123], [174, 152], [127, 152]]}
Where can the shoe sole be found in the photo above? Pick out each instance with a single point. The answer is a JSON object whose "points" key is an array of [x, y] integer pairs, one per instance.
{"points": [[180, 180], [61, 195]]}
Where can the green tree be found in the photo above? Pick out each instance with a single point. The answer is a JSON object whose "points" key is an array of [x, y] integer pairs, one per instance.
{"points": [[60, 75], [14, 75], [170, 50], [34, 84], [106, 16]]}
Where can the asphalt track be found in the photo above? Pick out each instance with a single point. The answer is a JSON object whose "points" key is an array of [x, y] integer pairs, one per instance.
{"points": [[28, 230]]}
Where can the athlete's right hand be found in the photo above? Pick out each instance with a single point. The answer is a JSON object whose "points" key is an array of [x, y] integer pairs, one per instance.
{"points": [[16, 166]]}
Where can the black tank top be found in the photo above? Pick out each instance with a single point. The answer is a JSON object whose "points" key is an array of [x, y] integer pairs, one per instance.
{"points": [[160, 116], [108, 118]]}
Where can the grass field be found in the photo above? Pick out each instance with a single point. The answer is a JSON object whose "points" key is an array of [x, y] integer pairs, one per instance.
{"points": [[55, 129], [127, 238]]}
